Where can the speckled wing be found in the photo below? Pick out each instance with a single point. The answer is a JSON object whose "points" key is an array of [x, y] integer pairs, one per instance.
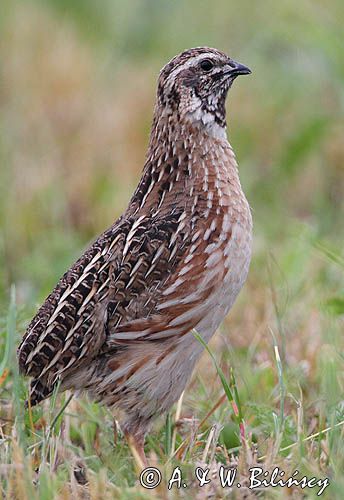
{"points": [[113, 294], [157, 294], [69, 328]]}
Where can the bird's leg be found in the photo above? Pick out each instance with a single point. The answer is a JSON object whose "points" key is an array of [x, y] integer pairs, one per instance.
{"points": [[136, 445]]}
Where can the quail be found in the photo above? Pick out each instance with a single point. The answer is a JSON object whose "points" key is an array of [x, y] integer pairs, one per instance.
{"points": [[119, 324]]}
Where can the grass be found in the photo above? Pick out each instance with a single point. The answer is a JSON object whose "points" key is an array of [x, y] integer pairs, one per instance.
{"points": [[76, 102], [290, 423]]}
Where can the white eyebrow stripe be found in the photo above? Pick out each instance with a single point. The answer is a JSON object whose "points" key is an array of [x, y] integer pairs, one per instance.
{"points": [[191, 62]]}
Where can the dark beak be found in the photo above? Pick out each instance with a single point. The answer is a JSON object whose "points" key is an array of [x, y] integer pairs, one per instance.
{"points": [[238, 69]]}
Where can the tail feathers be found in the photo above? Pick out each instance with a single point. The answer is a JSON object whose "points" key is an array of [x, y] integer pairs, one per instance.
{"points": [[39, 391]]}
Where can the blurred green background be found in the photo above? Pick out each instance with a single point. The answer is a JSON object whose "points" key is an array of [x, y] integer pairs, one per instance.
{"points": [[77, 89], [76, 97]]}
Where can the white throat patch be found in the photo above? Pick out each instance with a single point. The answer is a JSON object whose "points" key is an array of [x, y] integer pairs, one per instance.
{"points": [[206, 120]]}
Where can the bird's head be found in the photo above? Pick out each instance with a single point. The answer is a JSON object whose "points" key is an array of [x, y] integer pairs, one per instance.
{"points": [[194, 85]]}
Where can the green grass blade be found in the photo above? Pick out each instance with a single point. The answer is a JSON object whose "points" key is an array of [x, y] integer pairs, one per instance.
{"points": [[232, 399], [9, 333]]}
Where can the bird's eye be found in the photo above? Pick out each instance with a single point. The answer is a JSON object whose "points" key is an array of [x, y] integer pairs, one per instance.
{"points": [[206, 64]]}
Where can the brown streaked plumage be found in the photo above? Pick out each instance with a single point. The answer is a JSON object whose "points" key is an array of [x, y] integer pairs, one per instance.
{"points": [[119, 323]]}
